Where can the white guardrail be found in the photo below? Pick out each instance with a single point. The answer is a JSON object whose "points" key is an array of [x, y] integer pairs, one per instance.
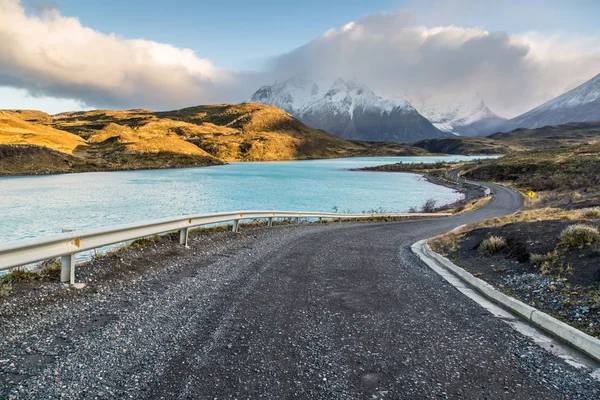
{"points": [[66, 245]]}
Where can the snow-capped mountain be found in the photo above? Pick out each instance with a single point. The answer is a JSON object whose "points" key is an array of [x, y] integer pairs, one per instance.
{"points": [[465, 117], [347, 109], [581, 104]]}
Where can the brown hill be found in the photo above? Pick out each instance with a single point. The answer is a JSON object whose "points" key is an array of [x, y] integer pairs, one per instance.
{"points": [[195, 136], [17, 131]]}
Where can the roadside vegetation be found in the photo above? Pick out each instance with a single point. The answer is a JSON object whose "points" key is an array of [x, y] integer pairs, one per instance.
{"points": [[547, 255]]}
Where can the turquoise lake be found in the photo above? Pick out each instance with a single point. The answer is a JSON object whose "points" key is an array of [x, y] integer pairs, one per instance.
{"points": [[32, 206]]}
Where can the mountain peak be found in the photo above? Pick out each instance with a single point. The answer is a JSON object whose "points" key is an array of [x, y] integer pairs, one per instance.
{"points": [[581, 104], [466, 115], [344, 106]]}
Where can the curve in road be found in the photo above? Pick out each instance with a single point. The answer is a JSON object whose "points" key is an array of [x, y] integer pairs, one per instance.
{"points": [[331, 311]]}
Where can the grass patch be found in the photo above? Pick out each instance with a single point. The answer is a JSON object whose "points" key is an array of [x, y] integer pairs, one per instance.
{"points": [[591, 213], [492, 245], [548, 263], [579, 235]]}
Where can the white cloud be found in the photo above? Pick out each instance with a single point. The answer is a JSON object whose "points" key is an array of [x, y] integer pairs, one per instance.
{"points": [[49, 54], [52, 55], [389, 53]]}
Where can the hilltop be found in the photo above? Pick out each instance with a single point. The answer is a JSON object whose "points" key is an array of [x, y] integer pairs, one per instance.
{"points": [[36, 142]]}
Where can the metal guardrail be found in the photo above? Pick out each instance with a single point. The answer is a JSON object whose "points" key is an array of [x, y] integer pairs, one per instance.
{"points": [[459, 179], [67, 244]]}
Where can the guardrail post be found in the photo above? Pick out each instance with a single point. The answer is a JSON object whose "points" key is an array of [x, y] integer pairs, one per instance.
{"points": [[67, 271], [270, 223], [183, 237], [67, 268], [236, 225]]}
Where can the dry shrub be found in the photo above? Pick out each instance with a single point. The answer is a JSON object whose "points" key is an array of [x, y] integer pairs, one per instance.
{"points": [[590, 213], [579, 235], [546, 262], [492, 245]]}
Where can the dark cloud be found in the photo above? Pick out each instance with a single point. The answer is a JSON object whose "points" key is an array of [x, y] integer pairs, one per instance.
{"points": [[42, 7]]}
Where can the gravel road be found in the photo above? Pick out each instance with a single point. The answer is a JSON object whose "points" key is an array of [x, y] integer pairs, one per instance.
{"points": [[317, 311]]}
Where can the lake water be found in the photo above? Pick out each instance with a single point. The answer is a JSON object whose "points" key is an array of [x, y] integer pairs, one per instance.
{"points": [[32, 206]]}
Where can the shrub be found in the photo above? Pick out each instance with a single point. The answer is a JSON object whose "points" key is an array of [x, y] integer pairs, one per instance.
{"points": [[429, 206], [579, 235], [546, 262], [460, 206], [492, 245], [591, 213], [5, 289]]}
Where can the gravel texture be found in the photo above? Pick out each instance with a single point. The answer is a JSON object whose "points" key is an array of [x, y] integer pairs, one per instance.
{"points": [[329, 311]]}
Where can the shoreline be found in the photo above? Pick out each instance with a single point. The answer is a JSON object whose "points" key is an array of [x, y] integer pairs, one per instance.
{"points": [[470, 192], [223, 162]]}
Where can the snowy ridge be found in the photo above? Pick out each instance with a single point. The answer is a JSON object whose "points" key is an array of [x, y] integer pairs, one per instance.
{"points": [[469, 116], [347, 109], [299, 96], [582, 94], [581, 104]]}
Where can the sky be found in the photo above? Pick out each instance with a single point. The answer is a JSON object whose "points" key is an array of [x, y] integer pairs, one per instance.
{"points": [[71, 54]]}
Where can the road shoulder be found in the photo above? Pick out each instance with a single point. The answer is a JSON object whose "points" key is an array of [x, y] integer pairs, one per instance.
{"points": [[482, 292]]}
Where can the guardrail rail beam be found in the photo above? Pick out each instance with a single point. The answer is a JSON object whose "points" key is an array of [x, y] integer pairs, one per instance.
{"points": [[65, 245]]}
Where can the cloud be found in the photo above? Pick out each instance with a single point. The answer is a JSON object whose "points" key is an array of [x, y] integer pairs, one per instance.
{"points": [[49, 54], [52, 55], [388, 52], [42, 7]]}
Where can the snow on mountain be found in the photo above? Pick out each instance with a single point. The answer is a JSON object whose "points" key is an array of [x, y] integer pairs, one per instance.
{"points": [[581, 104], [347, 109], [468, 116]]}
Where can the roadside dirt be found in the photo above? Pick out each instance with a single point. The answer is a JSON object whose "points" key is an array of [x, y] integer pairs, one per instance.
{"points": [[568, 289]]}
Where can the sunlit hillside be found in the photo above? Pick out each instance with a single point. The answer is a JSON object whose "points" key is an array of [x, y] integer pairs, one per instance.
{"points": [[17, 131], [195, 136]]}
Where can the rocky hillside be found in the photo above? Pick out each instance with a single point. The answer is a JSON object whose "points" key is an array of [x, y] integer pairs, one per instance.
{"points": [[35, 142]]}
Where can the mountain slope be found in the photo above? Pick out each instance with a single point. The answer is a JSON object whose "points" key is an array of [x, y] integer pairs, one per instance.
{"points": [[470, 117], [347, 109], [466, 145], [581, 104], [17, 131]]}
